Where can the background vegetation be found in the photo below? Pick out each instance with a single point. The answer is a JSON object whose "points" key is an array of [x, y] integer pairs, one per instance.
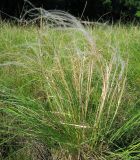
{"points": [[93, 9]]}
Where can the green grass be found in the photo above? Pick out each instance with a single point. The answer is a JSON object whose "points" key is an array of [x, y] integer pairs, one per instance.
{"points": [[60, 95]]}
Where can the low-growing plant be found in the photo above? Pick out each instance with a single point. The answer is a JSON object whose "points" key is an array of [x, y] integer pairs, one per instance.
{"points": [[68, 102]]}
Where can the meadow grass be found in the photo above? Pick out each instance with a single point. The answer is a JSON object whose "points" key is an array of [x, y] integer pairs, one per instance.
{"points": [[64, 96]]}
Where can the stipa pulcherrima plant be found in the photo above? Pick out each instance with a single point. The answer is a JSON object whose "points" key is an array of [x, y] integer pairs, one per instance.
{"points": [[75, 110]]}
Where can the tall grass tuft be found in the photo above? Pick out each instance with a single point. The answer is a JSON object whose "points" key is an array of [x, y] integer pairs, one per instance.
{"points": [[68, 102]]}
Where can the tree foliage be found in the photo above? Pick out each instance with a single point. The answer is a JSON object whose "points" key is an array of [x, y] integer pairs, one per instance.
{"points": [[93, 9], [131, 7]]}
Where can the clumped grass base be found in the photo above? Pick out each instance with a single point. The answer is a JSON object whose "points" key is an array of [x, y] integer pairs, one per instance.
{"points": [[63, 97]]}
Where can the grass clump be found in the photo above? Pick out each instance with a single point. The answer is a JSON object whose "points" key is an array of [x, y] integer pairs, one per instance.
{"points": [[61, 97]]}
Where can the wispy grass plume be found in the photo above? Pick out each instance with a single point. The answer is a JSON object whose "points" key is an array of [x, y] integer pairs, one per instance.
{"points": [[68, 100]]}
